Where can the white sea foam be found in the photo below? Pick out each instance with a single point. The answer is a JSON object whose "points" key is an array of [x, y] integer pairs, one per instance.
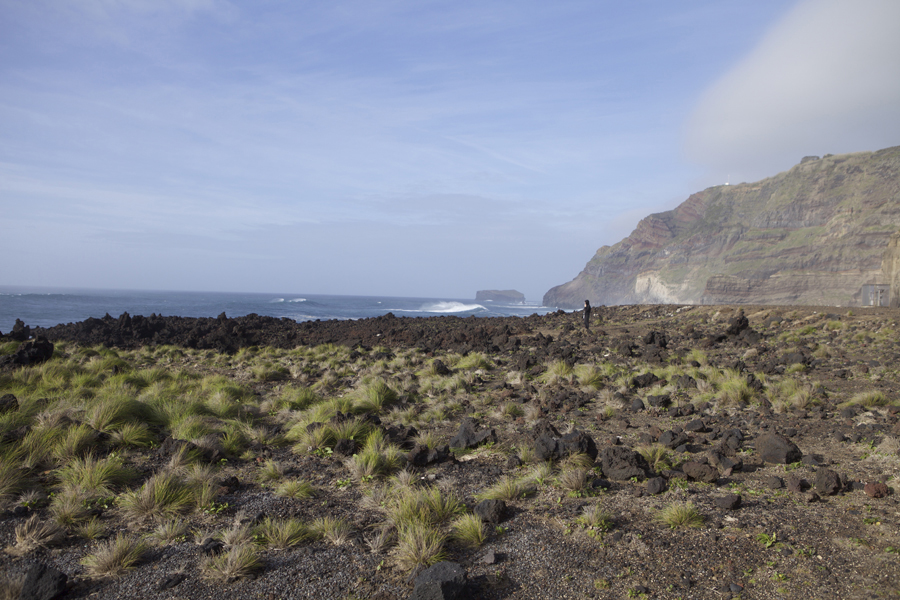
{"points": [[450, 307], [298, 300], [277, 300]]}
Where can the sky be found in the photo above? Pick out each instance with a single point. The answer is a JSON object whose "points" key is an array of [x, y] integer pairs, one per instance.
{"points": [[404, 148]]}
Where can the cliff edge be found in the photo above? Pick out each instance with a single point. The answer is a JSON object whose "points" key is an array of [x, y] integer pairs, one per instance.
{"points": [[812, 235]]}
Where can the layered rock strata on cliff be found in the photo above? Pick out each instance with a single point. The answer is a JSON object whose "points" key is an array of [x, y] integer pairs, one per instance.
{"points": [[812, 235], [890, 268]]}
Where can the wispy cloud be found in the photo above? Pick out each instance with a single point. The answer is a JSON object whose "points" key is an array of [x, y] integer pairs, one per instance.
{"points": [[823, 80]]}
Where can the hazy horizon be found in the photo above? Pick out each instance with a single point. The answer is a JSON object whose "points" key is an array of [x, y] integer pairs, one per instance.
{"points": [[410, 149]]}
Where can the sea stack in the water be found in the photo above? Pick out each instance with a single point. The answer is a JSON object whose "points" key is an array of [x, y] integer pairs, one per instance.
{"points": [[499, 296]]}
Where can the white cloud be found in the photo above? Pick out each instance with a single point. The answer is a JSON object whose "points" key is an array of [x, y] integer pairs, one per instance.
{"points": [[823, 80]]}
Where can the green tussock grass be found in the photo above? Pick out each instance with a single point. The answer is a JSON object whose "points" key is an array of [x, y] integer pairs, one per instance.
{"points": [[163, 495], [116, 557], [680, 514]]}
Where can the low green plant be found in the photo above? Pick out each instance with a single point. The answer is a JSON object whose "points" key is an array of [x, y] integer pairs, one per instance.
{"points": [[91, 530], [868, 399], [334, 529], [767, 540], [34, 534], [115, 557], [69, 508], [680, 514], [657, 456], [419, 545], [595, 517], [163, 495], [283, 533], [474, 361], [468, 530], [575, 479], [271, 471], [297, 489], [238, 562], [376, 397], [95, 477], [556, 371], [508, 488], [173, 530]]}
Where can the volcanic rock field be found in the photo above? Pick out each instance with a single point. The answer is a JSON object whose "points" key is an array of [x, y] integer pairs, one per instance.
{"points": [[669, 452]]}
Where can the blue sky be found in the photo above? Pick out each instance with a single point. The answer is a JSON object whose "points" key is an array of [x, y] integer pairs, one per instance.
{"points": [[416, 148]]}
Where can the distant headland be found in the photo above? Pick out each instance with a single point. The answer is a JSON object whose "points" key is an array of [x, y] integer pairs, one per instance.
{"points": [[499, 296]]}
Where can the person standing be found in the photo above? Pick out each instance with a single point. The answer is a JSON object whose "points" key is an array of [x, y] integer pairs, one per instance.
{"points": [[587, 315]]}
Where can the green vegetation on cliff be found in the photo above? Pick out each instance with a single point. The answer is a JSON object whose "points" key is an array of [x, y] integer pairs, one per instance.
{"points": [[811, 235]]}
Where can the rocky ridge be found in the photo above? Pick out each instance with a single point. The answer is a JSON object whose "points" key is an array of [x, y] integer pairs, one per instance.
{"points": [[812, 235]]}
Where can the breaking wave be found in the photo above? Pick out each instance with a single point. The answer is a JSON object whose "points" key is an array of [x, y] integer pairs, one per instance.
{"points": [[450, 307]]}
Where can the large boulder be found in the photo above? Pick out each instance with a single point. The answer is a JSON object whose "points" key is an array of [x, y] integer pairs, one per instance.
{"points": [[8, 403], [469, 436], [43, 582], [775, 448], [828, 483], [700, 472], [623, 463], [548, 447], [491, 511], [443, 581], [30, 353], [20, 331]]}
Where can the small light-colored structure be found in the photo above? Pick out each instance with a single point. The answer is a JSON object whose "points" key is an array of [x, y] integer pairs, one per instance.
{"points": [[875, 294]]}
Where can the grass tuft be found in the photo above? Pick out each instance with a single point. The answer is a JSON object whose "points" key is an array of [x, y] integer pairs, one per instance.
{"points": [[468, 531], [115, 557], [164, 495], [237, 563], [680, 514], [280, 534], [418, 546], [34, 534], [508, 488], [297, 489]]}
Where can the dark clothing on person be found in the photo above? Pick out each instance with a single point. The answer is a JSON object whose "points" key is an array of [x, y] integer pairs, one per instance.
{"points": [[587, 315]]}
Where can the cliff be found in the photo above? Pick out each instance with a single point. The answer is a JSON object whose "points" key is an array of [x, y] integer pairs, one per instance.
{"points": [[811, 235], [890, 268]]}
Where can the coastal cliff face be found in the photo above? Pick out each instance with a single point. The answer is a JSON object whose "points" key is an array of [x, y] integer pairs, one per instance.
{"points": [[811, 235], [890, 267]]}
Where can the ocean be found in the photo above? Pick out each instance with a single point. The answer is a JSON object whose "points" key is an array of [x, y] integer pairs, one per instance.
{"points": [[45, 307]]}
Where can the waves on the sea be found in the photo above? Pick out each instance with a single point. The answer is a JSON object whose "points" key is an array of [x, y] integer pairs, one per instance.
{"points": [[446, 308], [45, 308]]}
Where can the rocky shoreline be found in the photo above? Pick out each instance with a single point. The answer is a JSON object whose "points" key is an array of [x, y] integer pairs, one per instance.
{"points": [[584, 455]]}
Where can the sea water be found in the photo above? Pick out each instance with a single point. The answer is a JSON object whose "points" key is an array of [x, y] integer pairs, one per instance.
{"points": [[48, 307]]}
